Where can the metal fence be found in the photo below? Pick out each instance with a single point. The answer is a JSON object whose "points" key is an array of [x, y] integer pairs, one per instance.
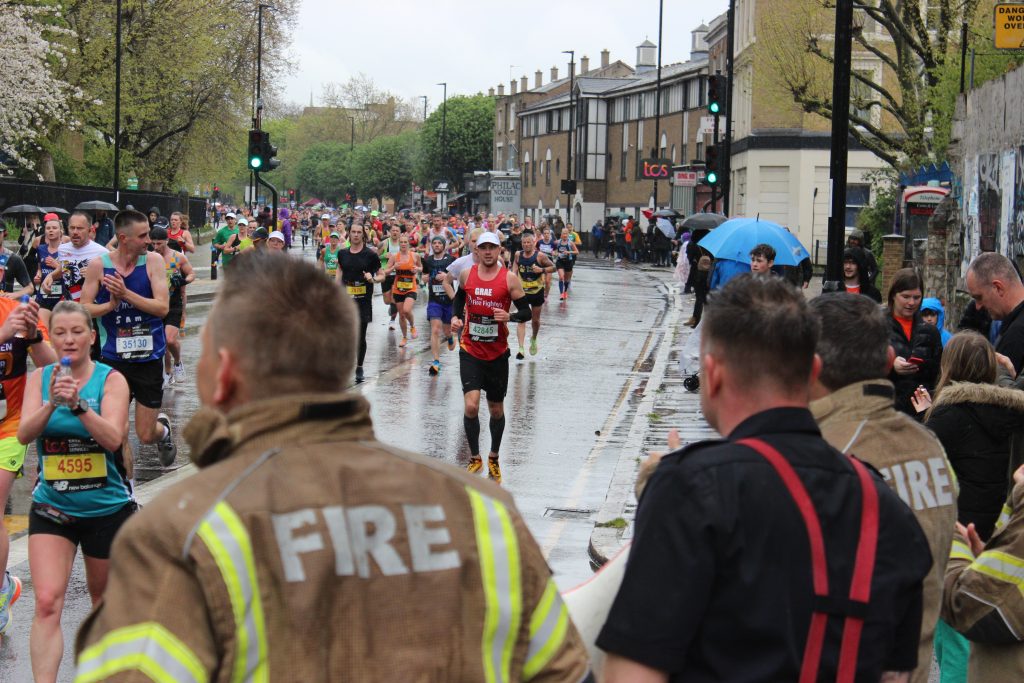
{"points": [[68, 196]]}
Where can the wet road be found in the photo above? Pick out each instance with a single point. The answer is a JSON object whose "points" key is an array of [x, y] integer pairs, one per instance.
{"points": [[567, 415]]}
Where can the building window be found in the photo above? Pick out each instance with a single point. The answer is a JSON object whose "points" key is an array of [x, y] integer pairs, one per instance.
{"points": [[622, 166], [673, 154], [547, 168], [861, 96], [558, 166], [683, 159], [664, 146], [857, 197], [512, 117], [700, 152]]}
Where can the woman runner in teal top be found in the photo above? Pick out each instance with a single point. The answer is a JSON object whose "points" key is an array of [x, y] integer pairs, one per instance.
{"points": [[83, 493]]}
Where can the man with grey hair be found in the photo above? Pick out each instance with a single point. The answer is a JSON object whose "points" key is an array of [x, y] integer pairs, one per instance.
{"points": [[852, 402], [995, 286]]}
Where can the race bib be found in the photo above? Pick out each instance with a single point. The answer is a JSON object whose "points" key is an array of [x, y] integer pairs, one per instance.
{"points": [[438, 290], [532, 286], [483, 329], [56, 289], [71, 465], [405, 285], [356, 290], [133, 342]]}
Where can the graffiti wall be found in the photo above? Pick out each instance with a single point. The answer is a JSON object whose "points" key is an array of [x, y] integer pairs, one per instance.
{"points": [[993, 206], [1015, 217]]}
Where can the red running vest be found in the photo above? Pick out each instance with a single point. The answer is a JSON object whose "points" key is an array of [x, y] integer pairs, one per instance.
{"points": [[482, 336]]}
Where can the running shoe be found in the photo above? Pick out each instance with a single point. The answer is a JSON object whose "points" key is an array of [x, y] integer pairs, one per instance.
{"points": [[7, 598], [435, 367], [415, 334], [359, 374], [475, 465], [179, 373], [451, 344], [391, 323], [166, 448], [521, 354], [533, 346], [493, 470], [401, 344], [168, 380]]}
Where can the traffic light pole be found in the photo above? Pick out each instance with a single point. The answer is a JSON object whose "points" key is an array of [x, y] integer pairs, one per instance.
{"points": [[714, 186], [727, 175], [273, 194], [840, 136]]}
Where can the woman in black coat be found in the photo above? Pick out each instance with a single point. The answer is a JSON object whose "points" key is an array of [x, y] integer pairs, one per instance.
{"points": [[917, 344], [980, 425]]}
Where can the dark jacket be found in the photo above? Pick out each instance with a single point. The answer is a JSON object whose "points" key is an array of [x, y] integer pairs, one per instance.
{"points": [[981, 427], [926, 344], [867, 287]]}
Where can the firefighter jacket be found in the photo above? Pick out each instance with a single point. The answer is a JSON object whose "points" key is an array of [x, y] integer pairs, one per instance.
{"points": [[984, 597], [305, 550], [860, 419]]}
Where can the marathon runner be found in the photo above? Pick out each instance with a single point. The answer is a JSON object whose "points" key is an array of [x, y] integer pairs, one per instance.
{"points": [[329, 255], [48, 260], [179, 274], [566, 252], [387, 247], [21, 332], [127, 290], [74, 257], [514, 243], [486, 292], [439, 304], [322, 233], [405, 265], [531, 266], [358, 269], [546, 246], [225, 241], [179, 238]]}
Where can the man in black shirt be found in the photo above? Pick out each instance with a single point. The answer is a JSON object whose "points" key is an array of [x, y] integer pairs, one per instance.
{"points": [[358, 269], [719, 584], [995, 286], [439, 304], [14, 278]]}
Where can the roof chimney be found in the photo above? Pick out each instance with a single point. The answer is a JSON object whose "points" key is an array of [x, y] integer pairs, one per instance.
{"points": [[554, 74], [605, 56], [584, 64], [512, 87], [538, 78], [490, 92], [524, 84], [501, 90], [646, 56]]}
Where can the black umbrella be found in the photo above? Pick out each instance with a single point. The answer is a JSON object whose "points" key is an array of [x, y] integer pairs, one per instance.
{"points": [[96, 205], [703, 221], [22, 208], [56, 209], [666, 213]]}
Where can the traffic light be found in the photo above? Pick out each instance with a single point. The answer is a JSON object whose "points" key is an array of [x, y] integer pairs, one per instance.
{"points": [[717, 89], [261, 152], [216, 192], [712, 165], [291, 195]]}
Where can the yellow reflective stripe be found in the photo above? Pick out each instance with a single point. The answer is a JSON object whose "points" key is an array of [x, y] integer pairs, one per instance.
{"points": [[498, 547], [960, 551], [148, 648], [1001, 566], [1004, 516], [548, 626], [228, 542]]}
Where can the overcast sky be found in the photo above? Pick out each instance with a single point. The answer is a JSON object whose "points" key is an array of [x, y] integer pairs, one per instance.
{"points": [[406, 46]]}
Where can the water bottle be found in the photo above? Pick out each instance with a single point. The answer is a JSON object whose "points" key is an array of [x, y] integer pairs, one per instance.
{"points": [[34, 331], [63, 370]]}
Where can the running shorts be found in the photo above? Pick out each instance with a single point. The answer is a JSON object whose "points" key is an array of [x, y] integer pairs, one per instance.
{"points": [[564, 264], [145, 380], [399, 298], [442, 311], [94, 534], [12, 456], [536, 299], [489, 376], [174, 316]]}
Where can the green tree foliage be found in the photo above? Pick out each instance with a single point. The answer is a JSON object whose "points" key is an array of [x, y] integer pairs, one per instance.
{"points": [[470, 133], [876, 219], [384, 167], [323, 172]]}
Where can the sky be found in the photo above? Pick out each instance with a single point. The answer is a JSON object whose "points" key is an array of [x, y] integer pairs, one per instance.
{"points": [[407, 46]]}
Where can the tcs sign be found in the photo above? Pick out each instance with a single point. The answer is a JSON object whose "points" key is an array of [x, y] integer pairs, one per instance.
{"points": [[655, 169]]}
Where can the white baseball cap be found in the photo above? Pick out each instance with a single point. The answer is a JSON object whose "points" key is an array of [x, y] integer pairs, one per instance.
{"points": [[488, 238], [230, 215], [277, 235], [242, 221], [326, 215]]}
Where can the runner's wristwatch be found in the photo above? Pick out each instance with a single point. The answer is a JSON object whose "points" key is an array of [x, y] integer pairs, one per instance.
{"points": [[81, 408]]}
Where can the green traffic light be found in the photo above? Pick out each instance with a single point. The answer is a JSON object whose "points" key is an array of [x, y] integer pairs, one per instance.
{"points": [[711, 178], [255, 162], [714, 107]]}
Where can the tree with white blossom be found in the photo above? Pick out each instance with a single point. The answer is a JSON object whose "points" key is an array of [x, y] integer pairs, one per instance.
{"points": [[32, 99]]}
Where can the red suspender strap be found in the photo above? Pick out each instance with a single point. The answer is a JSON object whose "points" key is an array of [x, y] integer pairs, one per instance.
{"points": [[819, 567], [863, 570]]}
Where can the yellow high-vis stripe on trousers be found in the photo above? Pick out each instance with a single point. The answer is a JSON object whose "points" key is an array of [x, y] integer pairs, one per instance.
{"points": [[548, 626], [227, 539], [960, 551], [500, 570], [148, 648]]}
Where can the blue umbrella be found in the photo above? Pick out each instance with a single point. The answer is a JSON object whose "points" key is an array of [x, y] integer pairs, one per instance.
{"points": [[733, 240]]}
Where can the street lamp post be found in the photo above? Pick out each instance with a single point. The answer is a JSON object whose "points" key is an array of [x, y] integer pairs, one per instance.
{"points": [[117, 105], [352, 139], [657, 102], [568, 146], [424, 98], [444, 131]]}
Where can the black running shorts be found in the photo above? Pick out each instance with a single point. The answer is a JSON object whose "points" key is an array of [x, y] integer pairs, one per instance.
{"points": [[145, 380], [489, 376], [94, 534]]}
